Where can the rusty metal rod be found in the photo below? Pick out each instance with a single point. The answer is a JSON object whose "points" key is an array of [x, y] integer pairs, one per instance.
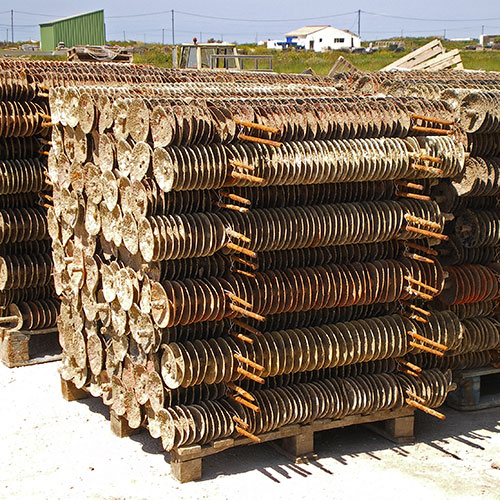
{"points": [[249, 328], [420, 319], [248, 362], [424, 232], [235, 197], [424, 222], [244, 262], [422, 295], [241, 422], [241, 391], [246, 403], [418, 166], [409, 365], [418, 309], [423, 285], [429, 130], [235, 234], [239, 164], [250, 314], [247, 177], [415, 196], [250, 375], [430, 158], [425, 409], [408, 372], [244, 433], [427, 349], [241, 337], [244, 273], [420, 258], [235, 298], [257, 126], [236, 208], [415, 397], [259, 140], [410, 185], [431, 119], [426, 250], [433, 343], [240, 249]]}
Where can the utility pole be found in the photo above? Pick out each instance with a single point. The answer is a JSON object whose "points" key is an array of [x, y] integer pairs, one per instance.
{"points": [[173, 30], [12, 25], [124, 38], [359, 23], [163, 36], [7, 35], [444, 35], [482, 29]]}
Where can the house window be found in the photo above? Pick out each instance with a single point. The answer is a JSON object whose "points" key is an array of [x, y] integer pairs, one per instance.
{"points": [[320, 40], [338, 40]]}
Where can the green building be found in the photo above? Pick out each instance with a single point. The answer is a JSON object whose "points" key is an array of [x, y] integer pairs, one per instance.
{"points": [[82, 29]]}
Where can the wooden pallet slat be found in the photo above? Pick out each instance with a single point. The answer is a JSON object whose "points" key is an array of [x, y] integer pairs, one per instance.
{"points": [[22, 348], [469, 395], [295, 441]]}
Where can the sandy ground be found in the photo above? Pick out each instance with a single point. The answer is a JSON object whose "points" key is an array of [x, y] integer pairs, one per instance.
{"points": [[52, 449]]}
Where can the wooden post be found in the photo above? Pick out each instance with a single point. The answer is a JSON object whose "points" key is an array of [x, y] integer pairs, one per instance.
{"points": [[185, 471], [398, 430], [120, 427], [301, 444], [70, 392]]}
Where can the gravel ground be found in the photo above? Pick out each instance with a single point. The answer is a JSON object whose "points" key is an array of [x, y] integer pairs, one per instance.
{"points": [[52, 449]]}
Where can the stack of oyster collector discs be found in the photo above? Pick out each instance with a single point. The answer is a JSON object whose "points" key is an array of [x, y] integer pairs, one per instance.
{"points": [[240, 252], [27, 301]]}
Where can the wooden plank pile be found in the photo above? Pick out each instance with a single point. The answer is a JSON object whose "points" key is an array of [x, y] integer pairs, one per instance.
{"points": [[100, 53], [430, 57], [28, 308]]}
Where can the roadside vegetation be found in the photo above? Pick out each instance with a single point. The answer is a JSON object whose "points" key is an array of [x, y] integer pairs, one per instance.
{"points": [[291, 61]]}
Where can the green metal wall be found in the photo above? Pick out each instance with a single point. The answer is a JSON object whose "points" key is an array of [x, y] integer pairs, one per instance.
{"points": [[85, 29]]}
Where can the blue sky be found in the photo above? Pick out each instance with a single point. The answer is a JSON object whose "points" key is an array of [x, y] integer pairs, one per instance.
{"points": [[259, 19]]}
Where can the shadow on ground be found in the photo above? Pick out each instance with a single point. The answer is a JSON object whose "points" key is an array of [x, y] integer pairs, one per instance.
{"points": [[338, 444]]}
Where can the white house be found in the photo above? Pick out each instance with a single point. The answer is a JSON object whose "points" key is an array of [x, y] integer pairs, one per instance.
{"points": [[320, 38]]}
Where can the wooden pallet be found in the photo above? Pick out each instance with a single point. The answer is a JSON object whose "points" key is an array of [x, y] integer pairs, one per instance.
{"points": [[21, 348], [477, 389], [294, 441]]}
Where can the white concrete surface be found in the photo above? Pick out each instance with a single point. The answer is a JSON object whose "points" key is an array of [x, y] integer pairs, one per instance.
{"points": [[52, 449]]}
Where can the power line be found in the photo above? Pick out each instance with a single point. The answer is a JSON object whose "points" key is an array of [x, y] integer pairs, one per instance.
{"points": [[219, 18], [33, 14], [141, 15], [427, 19], [265, 20]]}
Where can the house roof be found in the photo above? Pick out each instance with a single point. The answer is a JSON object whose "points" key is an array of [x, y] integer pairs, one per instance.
{"points": [[70, 17], [307, 30], [350, 33]]}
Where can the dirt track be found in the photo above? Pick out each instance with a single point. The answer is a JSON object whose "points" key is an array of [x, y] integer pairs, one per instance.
{"points": [[52, 449]]}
